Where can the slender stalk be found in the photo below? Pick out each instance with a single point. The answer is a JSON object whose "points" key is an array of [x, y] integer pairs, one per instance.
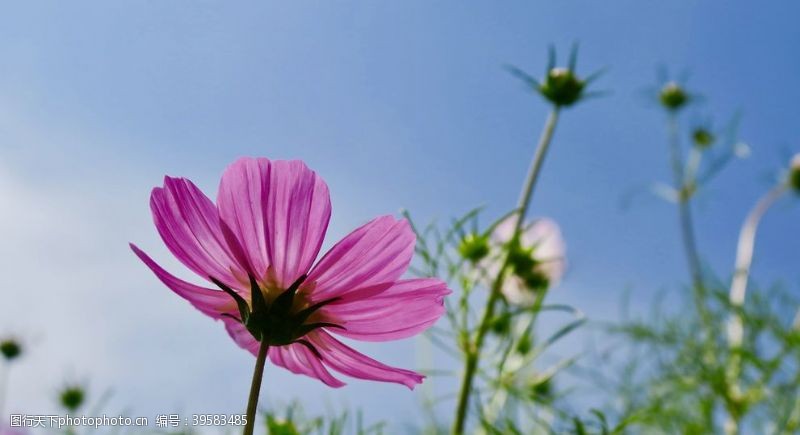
{"points": [[744, 259], [255, 386], [684, 207], [536, 167], [685, 182], [473, 350]]}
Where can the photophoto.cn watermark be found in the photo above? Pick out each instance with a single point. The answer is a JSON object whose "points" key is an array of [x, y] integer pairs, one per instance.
{"points": [[65, 421], [161, 421]]}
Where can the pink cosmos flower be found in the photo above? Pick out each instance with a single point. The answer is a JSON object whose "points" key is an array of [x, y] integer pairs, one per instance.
{"points": [[537, 265], [259, 243]]}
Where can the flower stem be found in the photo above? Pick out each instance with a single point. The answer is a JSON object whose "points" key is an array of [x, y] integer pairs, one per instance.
{"points": [[744, 259], [255, 387], [473, 348], [684, 186], [685, 182]]}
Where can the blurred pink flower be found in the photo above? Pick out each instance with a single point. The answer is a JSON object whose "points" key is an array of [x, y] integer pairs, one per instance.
{"points": [[265, 232], [541, 250]]}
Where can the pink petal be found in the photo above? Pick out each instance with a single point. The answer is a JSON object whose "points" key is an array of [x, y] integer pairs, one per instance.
{"points": [[188, 223], [210, 302], [403, 310], [544, 236], [550, 250], [298, 211], [241, 200], [345, 360], [299, 359], [241, 335], [378, 252], [279, 211]]}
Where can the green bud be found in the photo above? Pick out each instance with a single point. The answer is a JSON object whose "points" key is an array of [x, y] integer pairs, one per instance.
{"points": [[702, 137], [501, 325], [673, 97], [525, 345], [474, 247], [794, 173], [541, 389], [279, 426], [562, 87], [72, 398], [10, 349]]}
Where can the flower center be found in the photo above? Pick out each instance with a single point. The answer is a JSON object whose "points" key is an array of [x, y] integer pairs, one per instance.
{"points": [[280, 322]]}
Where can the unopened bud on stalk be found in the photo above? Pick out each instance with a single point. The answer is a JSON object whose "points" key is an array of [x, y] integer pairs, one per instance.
{"points": [[72, 398], [524, 345], [474, 247], [562, 87], [281, 426], [501, 325], [702, 137], [794, 173], [673, 97], [541, 390], [10, 349]]}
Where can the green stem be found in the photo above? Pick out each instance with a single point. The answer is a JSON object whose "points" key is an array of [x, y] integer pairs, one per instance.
{"points": [[685, 182], [473, 350], [684, 208], [744, 259], [255, 386]]}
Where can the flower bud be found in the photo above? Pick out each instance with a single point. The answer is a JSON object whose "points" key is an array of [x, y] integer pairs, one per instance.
{"points": [[501, 324], [524, 345], [534, 259], [281, 426], [794, 173], [474, 247], [562, 87], [10, 349], [72, 398], [702, 137], [673, 97], [541, 390]]}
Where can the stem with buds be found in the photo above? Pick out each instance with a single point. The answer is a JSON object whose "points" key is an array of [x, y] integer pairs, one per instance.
{"points": [[684, 186], [473, 348]]}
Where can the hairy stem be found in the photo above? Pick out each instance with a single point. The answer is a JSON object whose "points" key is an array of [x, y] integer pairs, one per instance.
{"points": [[473, 348], [741, 275], [255, 386]]}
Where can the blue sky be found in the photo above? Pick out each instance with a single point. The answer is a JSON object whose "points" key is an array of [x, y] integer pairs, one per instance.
{"points": [[397, 105]]}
